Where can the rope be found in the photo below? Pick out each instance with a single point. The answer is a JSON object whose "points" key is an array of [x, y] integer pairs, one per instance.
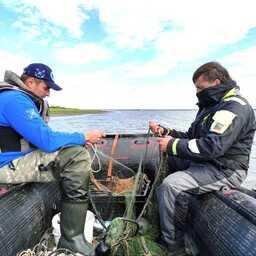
{"points": [[41, 249], [95, 156], [98, 152], [113, 149], [146, 149], [27, 253], [97, 214], [152, 188], [59, 251], [111, 159], [144, 246], [117, 162], [127, 231]]}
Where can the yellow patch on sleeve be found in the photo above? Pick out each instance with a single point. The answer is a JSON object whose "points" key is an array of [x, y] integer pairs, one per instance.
{"points": [[222, 120]]}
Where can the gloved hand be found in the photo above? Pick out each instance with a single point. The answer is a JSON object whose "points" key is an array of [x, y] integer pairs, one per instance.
{"points": [[163, 142], [156, 128], [94, 136]]}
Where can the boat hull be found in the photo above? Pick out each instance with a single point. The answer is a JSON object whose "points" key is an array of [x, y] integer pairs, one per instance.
{"points": [[25, 213], [220, 223], [224, 223], [130, 150]]}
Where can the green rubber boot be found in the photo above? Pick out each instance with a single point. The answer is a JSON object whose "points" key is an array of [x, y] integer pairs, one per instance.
{"points": [[72, 219]]}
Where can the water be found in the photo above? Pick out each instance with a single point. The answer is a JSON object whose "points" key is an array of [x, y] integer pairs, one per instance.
{"points": [[136, 121]]}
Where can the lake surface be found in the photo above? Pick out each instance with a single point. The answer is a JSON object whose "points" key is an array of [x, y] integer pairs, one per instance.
{"points": [[136, 121]]}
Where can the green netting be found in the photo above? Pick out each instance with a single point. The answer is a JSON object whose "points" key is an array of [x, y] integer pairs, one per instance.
{"points": [[128, 236], [124, 240], [138, 245]]}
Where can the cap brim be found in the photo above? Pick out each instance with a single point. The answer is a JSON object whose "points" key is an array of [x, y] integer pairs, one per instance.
{"points": [[53, 86]]}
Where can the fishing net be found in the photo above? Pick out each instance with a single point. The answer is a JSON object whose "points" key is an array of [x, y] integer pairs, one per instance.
{"points": [[115, 164], [124, 239], [135, 235], [122, 194]]}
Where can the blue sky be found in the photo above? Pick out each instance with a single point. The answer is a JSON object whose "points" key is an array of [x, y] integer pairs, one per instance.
{"points": [[129, 54]]}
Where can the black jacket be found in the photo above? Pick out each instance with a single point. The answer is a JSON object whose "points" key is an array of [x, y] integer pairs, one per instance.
{"points": [[222, 132]]}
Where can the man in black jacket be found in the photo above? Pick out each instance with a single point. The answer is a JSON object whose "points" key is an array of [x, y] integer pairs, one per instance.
{"points": [[213, 153]]}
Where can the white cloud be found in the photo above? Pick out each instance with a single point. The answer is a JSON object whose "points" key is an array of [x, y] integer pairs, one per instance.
{"points": [[134, 23], [242, 68], [243, 61], [179, 32], [193, 25], [82, 54], [65, 13], [44, 14], [195, 29], [13, 62]]}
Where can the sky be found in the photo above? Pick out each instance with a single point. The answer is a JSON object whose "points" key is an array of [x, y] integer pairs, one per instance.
{"points": [[129, 54]]}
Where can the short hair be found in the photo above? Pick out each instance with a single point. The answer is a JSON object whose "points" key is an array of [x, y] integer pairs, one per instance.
{"points": [[24, 78], [211, 71]]}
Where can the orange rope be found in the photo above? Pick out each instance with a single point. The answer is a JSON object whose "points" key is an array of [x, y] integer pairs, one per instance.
{"points": [[113, 149]]}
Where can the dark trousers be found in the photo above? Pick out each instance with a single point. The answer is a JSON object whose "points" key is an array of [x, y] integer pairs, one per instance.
{"points": [[187, 178]]}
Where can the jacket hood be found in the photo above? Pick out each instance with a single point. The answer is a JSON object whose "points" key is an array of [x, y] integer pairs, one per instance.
{"points": [[211, 96]]}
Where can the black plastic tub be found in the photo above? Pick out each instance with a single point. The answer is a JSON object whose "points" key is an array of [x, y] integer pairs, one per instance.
{"points": [[110, 205], [129, 150]]}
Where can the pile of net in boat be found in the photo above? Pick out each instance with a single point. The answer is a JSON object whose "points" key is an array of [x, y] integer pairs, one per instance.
{"points": [[131, 235], [128, 234]]}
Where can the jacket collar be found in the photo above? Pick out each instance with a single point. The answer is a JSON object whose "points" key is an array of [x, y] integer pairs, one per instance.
{"points": [[214, 95]]}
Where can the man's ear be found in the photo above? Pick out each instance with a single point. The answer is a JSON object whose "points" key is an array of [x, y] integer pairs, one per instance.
{"points": [[29, 82], [217, 81]]}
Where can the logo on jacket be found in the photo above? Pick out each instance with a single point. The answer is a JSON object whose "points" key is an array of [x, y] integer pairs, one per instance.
{"points": [[222, 121], [32, 114], [217, 127]]}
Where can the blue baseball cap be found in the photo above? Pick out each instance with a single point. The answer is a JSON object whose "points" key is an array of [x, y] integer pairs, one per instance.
{"points": [[42, 72]]}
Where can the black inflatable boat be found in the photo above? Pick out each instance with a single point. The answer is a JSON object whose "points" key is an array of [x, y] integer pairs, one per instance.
{"points": [[220, 224]]}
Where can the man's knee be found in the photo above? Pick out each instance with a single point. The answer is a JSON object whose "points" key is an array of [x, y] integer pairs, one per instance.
{"points": [[75, 159], [75, 166], [179, 181], [173, 180], [73, 154]]}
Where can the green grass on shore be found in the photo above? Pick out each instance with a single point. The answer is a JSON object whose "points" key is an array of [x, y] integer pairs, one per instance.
{"points": [[62, 111]]}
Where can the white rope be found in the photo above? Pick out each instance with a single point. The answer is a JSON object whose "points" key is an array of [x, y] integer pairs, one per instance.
{"points": [[117, 162], [95, 156], [98, 152]]}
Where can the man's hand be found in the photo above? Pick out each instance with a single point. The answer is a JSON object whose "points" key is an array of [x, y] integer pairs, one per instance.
{"points": [[94, 136], [163, 142], [156, 128]]}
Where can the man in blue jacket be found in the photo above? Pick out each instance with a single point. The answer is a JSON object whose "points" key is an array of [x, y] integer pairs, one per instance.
{"points": [[30, 151], [213, 153]]}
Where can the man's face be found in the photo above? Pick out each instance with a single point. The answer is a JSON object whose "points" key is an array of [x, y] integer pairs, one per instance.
{"points": [[38, 87], [201, 83]]}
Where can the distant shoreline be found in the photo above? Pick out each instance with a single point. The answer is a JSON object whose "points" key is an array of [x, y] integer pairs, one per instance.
{"points": [[62, 111]]}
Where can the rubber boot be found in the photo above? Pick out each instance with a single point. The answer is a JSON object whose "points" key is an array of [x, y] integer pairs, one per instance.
{"points": [[72, 219]]}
